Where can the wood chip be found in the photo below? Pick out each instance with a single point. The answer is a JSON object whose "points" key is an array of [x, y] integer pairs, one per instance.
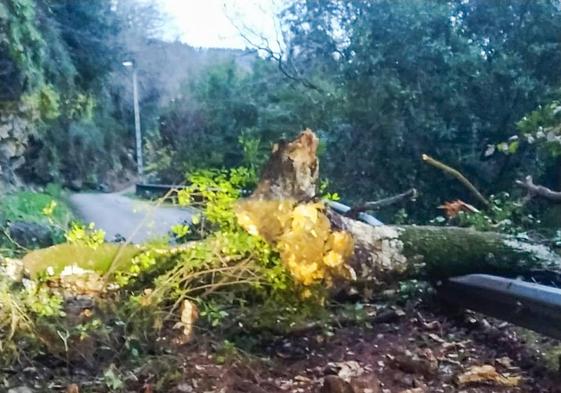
{"points": [[486, 374]]}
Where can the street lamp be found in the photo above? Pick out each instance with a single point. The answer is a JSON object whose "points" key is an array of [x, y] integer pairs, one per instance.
{"points": [[138, 136]]}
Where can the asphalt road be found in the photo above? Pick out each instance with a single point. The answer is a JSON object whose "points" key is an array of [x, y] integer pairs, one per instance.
{"points": [[117, 214]]}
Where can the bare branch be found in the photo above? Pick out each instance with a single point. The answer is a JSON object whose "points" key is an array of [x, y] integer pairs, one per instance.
{"points": [[375, 205], [278, 57], [455, 173], [537, 190]]}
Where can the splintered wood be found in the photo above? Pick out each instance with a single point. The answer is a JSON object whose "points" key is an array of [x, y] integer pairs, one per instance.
{"points": [[311, 250], [285, 212]]}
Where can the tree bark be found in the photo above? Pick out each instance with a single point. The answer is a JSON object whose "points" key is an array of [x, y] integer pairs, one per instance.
{"points": [[388, 253], [384, 254], [292, 170]]}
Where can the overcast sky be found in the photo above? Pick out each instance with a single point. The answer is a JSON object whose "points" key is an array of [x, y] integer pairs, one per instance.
{"points": [[208, 23]]}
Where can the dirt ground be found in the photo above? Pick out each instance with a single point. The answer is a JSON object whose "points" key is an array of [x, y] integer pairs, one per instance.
{"points": [[420, 352], [414, 350]]}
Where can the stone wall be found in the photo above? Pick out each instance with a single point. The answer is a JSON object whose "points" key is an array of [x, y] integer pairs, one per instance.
{"points": [[14, 136]]}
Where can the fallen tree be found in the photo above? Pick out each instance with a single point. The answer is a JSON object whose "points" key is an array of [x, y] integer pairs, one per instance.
{"points": [[320, 245], [300, 248]]}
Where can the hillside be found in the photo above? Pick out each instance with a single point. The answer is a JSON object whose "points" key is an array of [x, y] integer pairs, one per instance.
{"points": [[66, 106]]}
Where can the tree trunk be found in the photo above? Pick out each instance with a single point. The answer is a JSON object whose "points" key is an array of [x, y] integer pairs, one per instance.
{"points": [[387, 253], [295, 221]]}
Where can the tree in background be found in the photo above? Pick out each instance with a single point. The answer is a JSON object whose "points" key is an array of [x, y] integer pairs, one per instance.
{"points": [[443, 78], [384, 82]]}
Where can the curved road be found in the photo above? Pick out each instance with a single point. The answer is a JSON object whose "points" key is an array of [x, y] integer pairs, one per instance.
{"points": [[118, 214]]}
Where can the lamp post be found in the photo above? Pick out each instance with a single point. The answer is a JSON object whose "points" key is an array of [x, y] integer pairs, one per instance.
{"points": [[137, 130]]}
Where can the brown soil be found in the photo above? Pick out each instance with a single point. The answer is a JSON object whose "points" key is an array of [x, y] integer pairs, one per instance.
{"points": [[300, 364], [420, 350]]}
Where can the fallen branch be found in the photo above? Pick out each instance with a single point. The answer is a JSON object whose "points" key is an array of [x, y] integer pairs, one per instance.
{"points": [[375, 205], [537, 190], [455, 173]]}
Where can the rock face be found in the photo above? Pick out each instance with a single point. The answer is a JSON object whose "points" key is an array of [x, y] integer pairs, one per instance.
{"points": [[14, 136], [30, 235]]}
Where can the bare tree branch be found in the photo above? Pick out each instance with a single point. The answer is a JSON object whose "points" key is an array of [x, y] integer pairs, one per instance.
{"points": [[537, 190], [375, 205], [455, 173], [278, 57]]}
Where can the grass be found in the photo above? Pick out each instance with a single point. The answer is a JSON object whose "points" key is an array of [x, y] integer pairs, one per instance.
{"points": [[30, 206], [48, 208]]}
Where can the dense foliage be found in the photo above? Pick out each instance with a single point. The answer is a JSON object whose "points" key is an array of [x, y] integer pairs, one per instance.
{"points": [[58, 58], [382, 82]]}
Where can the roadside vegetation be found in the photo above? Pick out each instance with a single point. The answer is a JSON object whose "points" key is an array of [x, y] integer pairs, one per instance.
{"points": [[32, 219], [473, 86], [43, 207], [90, 313], [141, 301]]}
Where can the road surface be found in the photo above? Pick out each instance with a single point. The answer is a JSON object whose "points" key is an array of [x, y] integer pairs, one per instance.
{"points": [[133, 219]]}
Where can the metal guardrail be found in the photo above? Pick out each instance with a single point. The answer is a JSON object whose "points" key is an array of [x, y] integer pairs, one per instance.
{"points": [[365, 217], [155, 190], [533, 306]]}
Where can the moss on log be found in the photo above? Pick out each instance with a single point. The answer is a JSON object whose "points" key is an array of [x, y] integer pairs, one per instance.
{"points": [[449, 251], [385, 254], [97, 259]]}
